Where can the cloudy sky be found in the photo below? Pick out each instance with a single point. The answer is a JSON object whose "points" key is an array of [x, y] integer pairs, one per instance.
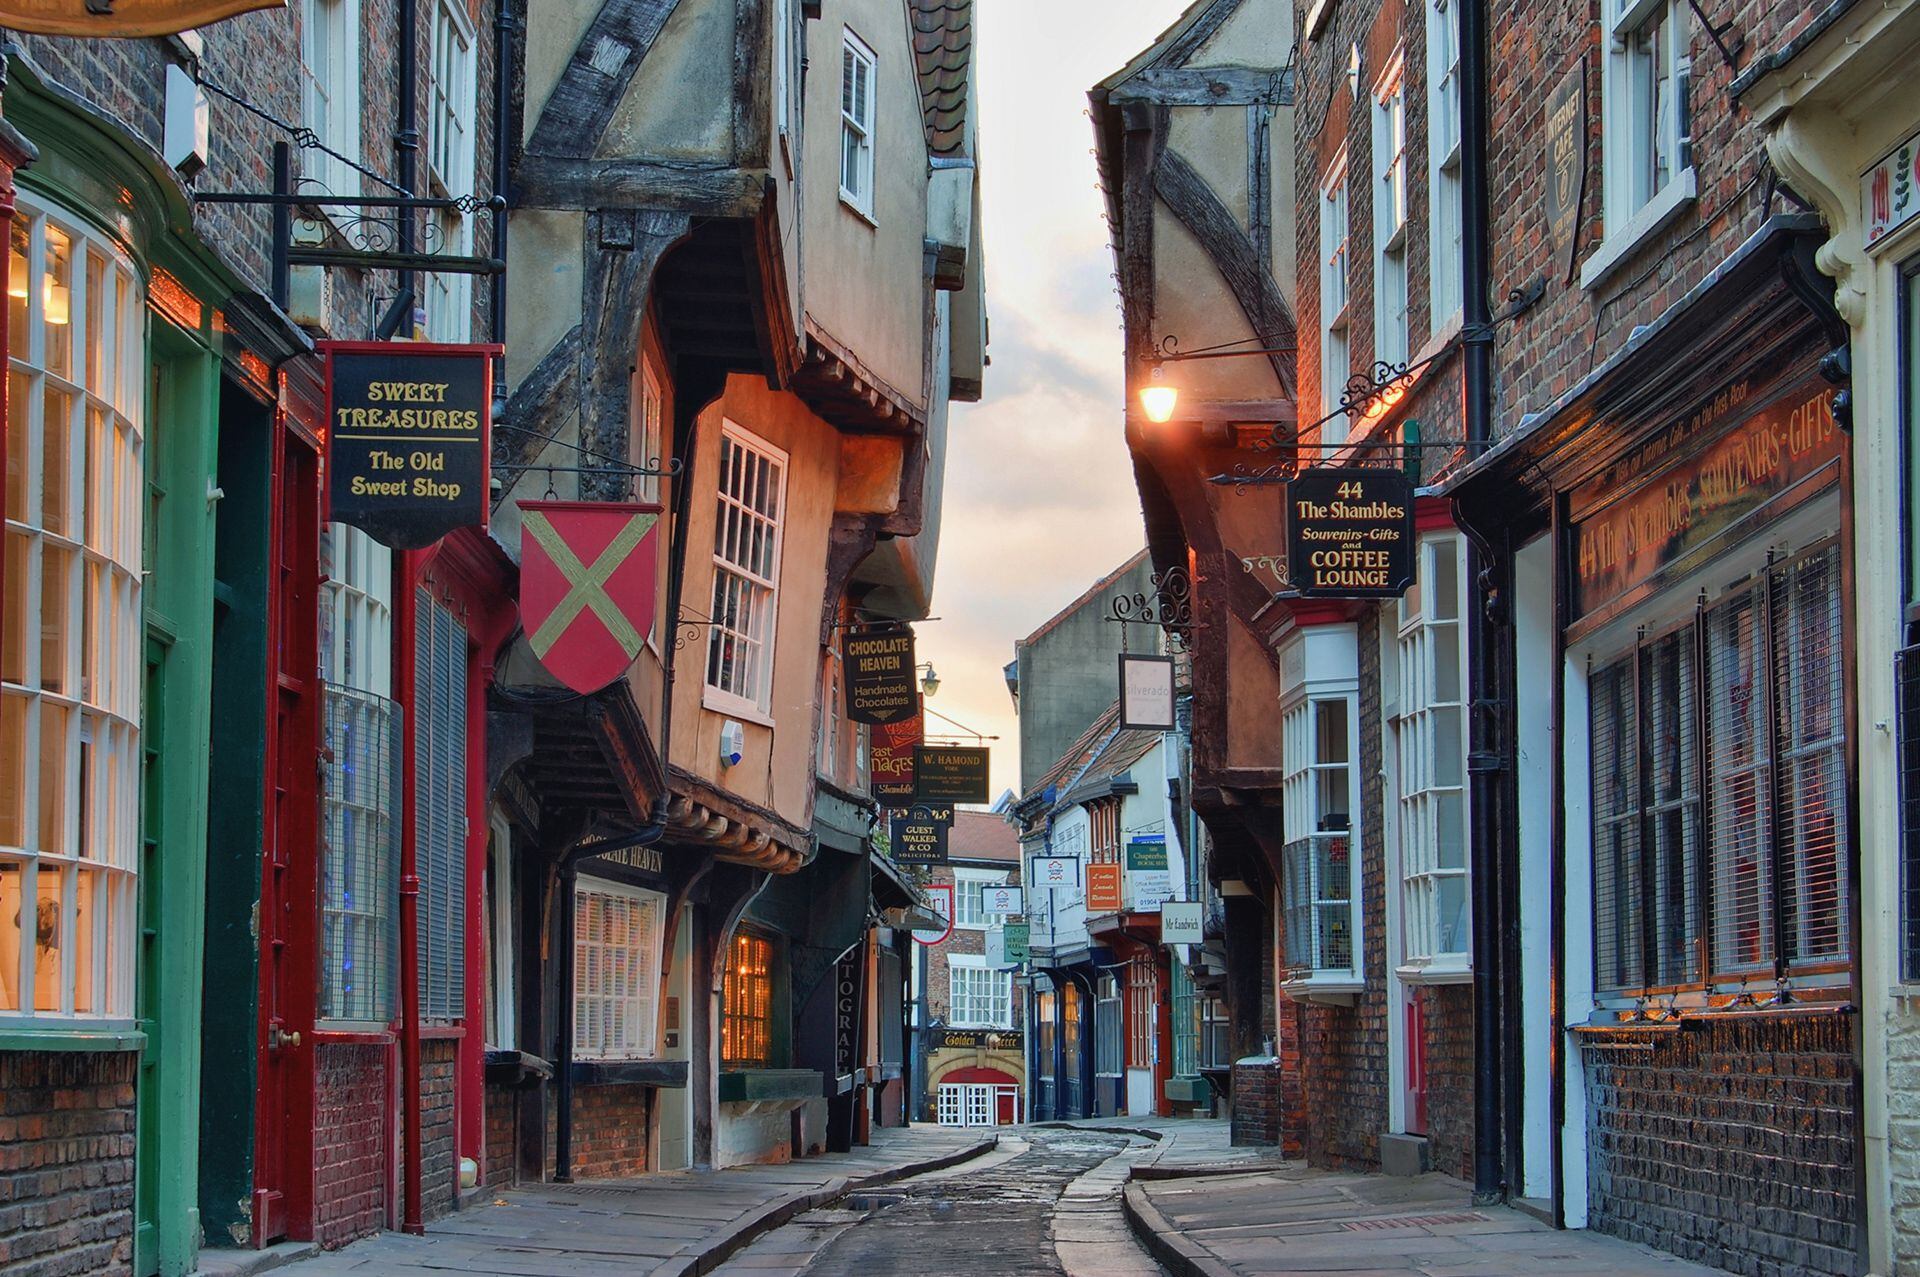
{"points": [[1039, 498]]}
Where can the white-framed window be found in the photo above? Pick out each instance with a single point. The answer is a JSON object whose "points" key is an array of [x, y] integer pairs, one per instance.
{"points": [[450, 163], [746, 572], [356, 610], [1645, 123], [502, 1031], [1390, 338], [1335, 357], [969, 903], [1428, 737], [827, 758], [72, 654], [978, 996], [1319, 732], [857, 76], [330, 92], [648, 448], [616, 970], [1443, 162], [785, 37]]}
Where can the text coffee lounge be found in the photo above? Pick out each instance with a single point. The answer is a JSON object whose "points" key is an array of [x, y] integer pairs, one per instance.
{"points": [[1676, 536]]}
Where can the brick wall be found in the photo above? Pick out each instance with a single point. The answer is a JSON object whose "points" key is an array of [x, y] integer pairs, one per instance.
{"points": [[1448, 1015], [1903, 1131], [609, 1130], [350, 1142], [66, 1163], [1257, 1103], [439, 1154], [1731, 1145], [500, 1159]]}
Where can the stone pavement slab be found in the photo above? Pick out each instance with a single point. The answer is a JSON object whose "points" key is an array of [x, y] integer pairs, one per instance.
{"points": [[1295, 1220], [666, 1225], [1185, 1146]]}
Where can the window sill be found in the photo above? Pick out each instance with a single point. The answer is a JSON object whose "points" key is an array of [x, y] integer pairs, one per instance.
{"points": [[759, 1086], [1430, 973], [671, 1074], [866, 215], [733, 707], [108, 1036], [1618, 246], [1329, 988]]}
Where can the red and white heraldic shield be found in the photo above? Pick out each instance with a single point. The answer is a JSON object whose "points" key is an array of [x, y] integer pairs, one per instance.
{"points": [[589, 577]]}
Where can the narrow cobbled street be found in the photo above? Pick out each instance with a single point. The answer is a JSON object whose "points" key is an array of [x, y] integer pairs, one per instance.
{"points": [[1044, 1202]]}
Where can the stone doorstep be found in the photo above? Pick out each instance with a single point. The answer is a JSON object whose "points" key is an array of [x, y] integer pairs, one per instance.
{"points": [[244, 1263]]}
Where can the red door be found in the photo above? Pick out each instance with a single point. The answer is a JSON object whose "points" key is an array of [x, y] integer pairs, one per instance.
{"points": [[283, 1112], [1416, 1063]]}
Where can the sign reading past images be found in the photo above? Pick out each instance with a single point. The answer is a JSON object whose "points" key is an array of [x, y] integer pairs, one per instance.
{"points": [[950, 773], [1350, 533], [1146, 693], [408, 439], [880, 688], [918, 835], [890, 749]]}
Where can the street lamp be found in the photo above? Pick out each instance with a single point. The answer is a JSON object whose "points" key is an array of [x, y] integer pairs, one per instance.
{"points": [[1158, 399], [930, 681]]}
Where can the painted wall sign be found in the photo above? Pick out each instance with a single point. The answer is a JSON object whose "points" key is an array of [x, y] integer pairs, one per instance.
{"points": [[890, 748], [919, 834], [1350, 533], [1684, 507], [1183, 922], [1002, 900], [1057, 872], [1890, 191], [120, 19], [1149, 880], [950, 773], [940, 895], [849, 1005], [589, 578], [1103, 888], [1566, 144], [408, 438], [1146, 693], [880, 686], [974, 1039], [1019, 942]]}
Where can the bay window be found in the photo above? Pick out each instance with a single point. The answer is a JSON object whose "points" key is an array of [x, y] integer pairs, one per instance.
{"points": [[617, 934], [1320, 887], [746, 573], [72, 652]]}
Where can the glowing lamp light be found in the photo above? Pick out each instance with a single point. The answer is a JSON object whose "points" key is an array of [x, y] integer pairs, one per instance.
{"points": [[1158, 400], [17, 276], [59, 302]]}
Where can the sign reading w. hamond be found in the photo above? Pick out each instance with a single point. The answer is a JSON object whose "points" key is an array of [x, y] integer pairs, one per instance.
{"points": [[950, 773], [408, 441]]}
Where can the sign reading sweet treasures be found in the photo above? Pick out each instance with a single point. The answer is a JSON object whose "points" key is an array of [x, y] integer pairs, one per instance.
{"points": [[407, 438], [1350, 533]]}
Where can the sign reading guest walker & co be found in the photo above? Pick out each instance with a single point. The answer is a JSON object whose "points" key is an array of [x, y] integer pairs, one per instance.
{"points": [[408, 439], [1350, 533]]}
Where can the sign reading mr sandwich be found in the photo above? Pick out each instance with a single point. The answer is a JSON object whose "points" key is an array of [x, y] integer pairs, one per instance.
{"points": [[880, 688], [1350, 533], [408, 439]]}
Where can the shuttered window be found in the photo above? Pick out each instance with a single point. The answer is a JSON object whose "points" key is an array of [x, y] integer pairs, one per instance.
{"points": [[440, 806], [616, 970], [1719, 827]]}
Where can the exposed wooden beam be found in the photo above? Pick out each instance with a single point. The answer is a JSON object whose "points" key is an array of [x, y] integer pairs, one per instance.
{"points": [[1195, 37], [614, 301], [596, 77], [537, 403], [572, 182], [1208, 86]]}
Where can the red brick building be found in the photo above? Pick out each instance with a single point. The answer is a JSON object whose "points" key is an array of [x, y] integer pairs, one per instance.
{"points": [[971, 1010]]}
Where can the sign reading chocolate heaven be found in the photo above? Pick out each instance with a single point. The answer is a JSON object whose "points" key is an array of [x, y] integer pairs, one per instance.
{"points": [[880, 669], [407, 438], [1350, 533], [918, 835], [950, 773]]}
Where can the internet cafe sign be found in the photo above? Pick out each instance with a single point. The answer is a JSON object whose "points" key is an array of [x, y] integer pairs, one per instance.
{"points": [[408, 438], [1350, 533]]}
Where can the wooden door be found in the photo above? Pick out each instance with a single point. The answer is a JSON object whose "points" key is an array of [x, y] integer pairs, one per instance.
{"points": [[1416, 1063], [289, 942]]}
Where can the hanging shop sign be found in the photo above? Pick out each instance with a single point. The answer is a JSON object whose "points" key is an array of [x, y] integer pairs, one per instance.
{"points": [[996, 947], [1890, 191], [974, 1039], [890, 748], [1670, 516], [1104, 888], [940, 895], [121, 19], [879, 677], [1566, 165], [1057, 872], [1000, 901], [1183, 922], [1350, 533], [588, 586], [1019, 942], [919, 834], [1148, 876], [950, 773], [1146, 693], [408, 438], [849, 1004]]}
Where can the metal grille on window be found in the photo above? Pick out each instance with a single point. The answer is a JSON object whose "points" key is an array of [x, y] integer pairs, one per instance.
{"points": [[1907, 689], [1670, 816], [440, 806], [1618, 953], [1740, 845], [1810, 743], [359, 854]]}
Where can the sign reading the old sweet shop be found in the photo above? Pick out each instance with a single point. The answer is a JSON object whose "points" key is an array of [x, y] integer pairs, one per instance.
{"points": [[1350, 533], [408, 438]]}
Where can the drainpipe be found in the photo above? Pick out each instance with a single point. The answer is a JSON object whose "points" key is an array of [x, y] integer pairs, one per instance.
{"points": [[1486, 759], [504, 25], [405, 618]]}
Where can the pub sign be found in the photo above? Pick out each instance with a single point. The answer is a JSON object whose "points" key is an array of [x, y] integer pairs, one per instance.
{"points": [[408, 438], [880, 688], [1350, 533], [950, 773], [918, 835]]}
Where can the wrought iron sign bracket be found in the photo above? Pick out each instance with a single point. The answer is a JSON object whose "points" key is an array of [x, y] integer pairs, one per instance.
{"points": [[1168, 605]]}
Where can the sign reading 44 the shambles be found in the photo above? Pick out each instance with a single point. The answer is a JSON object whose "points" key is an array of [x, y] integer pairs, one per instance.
{"points": [[408, 439], [1350, 533]]}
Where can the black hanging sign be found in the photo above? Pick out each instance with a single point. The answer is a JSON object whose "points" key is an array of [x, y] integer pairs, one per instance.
{"points": [[408, 438], [880, 667], [919, 835], [950, 774], [1350, 533]]}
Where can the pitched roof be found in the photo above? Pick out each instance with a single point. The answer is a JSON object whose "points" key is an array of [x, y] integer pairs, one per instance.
{"points": [[1092, 592], [943, 49], [983, 835], [1069, 765]]}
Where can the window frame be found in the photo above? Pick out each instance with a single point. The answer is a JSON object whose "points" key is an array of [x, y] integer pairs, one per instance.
{"points": [[1633, 133], [979, 880], [1306, 827], [856, 54], [998, 995], [1446, 222], [1336, 349], [767, 983], [452, 105], [1392, 323], [765, 588], [642, 1039], [330, 100]]}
